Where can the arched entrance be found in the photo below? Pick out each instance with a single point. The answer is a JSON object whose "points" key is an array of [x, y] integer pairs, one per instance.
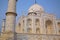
{"points": [[49, 27]]}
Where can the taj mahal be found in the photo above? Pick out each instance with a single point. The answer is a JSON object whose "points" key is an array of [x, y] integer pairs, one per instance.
{"points": [[37, 25]]}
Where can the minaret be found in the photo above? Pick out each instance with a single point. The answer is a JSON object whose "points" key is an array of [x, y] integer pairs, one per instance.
{"points": [[3, 25], [11, 16]]}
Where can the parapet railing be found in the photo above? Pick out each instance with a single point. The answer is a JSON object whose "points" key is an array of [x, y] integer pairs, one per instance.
{"points": [[26, 36]]}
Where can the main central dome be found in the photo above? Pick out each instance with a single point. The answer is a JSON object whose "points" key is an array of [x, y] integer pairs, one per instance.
{"points": [[35, 8]]}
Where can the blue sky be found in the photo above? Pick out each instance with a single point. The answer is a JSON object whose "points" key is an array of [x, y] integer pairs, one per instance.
{"points": [[50, 6]]}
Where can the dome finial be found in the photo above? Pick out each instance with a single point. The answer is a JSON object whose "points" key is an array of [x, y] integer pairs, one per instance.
{"points": [[36, 8]]}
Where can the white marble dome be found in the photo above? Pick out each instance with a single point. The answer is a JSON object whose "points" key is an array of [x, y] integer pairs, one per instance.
{"points": [[35, 8]]}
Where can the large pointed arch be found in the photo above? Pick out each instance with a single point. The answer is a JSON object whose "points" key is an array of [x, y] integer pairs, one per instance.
{"points": [[29, 22], [58, 27], [37, 23], [49, 26]]}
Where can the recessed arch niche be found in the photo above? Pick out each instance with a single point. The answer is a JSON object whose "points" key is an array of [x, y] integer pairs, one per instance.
{"points": [[59, 27], [18, 28], [29, 30], [38, 30], [29, 22], [49, 26], [23, 23], [37, 23]]}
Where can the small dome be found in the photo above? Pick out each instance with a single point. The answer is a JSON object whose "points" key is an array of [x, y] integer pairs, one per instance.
{"points": [[35, 8]]}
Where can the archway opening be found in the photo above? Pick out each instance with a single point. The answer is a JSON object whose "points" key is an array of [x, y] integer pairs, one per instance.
{"points": [[37, 23], [29, 22], [59, 27], [38, 30], [29, 30], [49, 27]]}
